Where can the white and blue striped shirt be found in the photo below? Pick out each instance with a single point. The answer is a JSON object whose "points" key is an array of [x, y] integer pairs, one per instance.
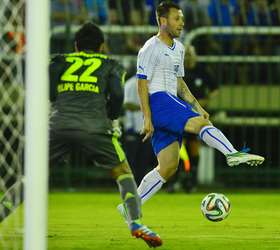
{"points": [[161, 65]]}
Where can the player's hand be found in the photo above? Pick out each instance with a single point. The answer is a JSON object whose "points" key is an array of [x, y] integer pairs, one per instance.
{"points": [[148, 129], [116, 127]]}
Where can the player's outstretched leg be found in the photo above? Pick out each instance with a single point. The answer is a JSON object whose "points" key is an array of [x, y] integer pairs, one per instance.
{"points": [[132, 209], [216, 139]]}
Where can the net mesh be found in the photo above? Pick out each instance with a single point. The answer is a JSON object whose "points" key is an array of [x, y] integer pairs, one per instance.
{"points": [[11, 118]]}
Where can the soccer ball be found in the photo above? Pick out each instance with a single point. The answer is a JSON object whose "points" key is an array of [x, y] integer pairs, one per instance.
{"points": [[215, 207]]}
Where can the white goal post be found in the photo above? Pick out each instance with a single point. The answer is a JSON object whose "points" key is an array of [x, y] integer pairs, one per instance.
{"points": [[20, 21], [36, 124]]}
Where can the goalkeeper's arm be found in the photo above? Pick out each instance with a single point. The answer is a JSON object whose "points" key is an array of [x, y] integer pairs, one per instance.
{"points": [[115, 93]]}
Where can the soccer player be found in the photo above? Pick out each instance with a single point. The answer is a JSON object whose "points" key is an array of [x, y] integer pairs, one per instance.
{"points": [[168, 106], [86, 94]]}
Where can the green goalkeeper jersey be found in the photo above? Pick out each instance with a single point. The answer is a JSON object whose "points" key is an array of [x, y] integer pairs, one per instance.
{"points": [[86, 92]]}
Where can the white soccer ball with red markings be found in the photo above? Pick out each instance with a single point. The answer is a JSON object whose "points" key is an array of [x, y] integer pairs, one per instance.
{"points": [[215, 207]]}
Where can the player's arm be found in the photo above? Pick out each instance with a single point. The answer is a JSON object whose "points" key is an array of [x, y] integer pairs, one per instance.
{"points": [[146, 62], [185, 93], [115, 92], [143, 92]]}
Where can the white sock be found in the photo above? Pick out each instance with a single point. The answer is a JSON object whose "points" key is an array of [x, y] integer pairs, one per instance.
{"points": [[151, 183], [214, 138]]}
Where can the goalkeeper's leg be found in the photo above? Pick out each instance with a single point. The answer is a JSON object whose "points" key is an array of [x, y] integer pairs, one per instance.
{"points": [[11, 199], [132, 204]]}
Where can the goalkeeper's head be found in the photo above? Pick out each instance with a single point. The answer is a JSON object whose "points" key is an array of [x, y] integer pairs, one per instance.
{"points": [[89, 38]]}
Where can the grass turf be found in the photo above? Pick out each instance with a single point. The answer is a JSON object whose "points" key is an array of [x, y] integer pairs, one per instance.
{"points": [[89, 221]]}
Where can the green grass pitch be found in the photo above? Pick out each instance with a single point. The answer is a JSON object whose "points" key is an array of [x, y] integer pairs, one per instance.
{"points": [[89, 221]]}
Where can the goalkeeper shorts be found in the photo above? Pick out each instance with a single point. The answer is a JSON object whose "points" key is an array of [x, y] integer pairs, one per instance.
{"points": [[103, 150]]}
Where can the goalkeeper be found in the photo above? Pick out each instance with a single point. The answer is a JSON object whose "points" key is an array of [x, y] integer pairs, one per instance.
{"points": [[86, 93]]}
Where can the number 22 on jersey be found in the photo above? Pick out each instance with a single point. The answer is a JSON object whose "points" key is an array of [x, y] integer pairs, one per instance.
{"points": [[92, 65]]}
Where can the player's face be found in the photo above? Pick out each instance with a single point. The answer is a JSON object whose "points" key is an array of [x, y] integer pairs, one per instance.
{"points": [[175, 22]]}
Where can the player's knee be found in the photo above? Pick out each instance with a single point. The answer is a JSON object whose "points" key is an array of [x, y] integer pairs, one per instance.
{"points": [[168, 169], [121, 169], [202, 123], [195, 124]]}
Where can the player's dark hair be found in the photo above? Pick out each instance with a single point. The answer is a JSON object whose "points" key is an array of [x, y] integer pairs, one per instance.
{"points": [[164, 7], [89, 37]]}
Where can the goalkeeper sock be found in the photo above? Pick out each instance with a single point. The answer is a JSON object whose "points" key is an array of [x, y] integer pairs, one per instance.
{"points": [[214, 138], [131, 199], [151, 183]]}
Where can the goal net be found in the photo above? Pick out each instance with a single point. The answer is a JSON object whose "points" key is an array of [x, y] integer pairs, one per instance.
{"points": [[11, 120]]}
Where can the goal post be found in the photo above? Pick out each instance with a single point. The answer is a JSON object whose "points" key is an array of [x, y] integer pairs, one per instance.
{"points": [[36, 125]]}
